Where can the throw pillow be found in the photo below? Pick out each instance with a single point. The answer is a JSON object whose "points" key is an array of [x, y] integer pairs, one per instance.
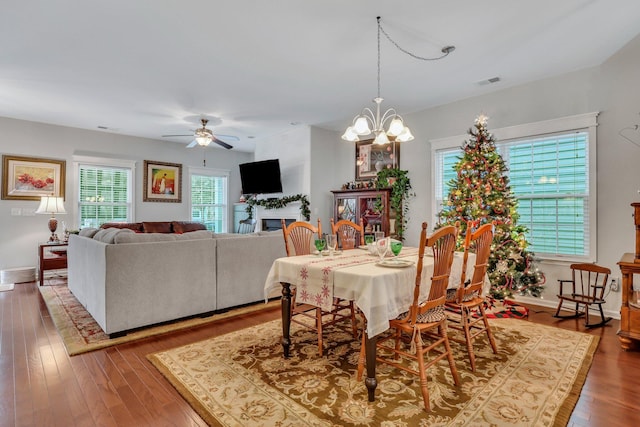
{"points": [[186, 226], [156, 227]]}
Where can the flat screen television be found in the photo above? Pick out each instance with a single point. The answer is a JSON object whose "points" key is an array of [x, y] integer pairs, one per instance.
{"points": [[261, 177]]}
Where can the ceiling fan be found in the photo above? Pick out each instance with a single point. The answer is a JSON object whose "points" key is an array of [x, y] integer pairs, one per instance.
{"points": [[204, 137]]}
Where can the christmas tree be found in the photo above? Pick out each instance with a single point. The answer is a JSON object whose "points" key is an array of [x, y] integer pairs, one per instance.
{"points": [[481, 193]]}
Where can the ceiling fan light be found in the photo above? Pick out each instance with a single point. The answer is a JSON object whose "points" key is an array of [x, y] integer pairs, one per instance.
{"points": [[361, 126], [203, 140], [396, 126]]}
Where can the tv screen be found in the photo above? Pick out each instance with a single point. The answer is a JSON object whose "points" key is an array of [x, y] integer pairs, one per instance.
{"points": [[261, 177]]}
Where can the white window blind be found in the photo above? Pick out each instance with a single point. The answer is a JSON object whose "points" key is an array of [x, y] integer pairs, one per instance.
{"points": [[104, 195], [209, 200]]}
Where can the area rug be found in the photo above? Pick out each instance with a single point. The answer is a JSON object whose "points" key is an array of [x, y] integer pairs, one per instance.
{"points": [[241, 379], [80, 332]]}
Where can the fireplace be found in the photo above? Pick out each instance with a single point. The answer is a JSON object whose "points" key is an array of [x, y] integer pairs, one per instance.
{"points": [[269, 219], [270, 224]]}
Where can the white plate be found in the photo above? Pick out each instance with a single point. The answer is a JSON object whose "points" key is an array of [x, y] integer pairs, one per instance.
{"points": [[395, 263]]}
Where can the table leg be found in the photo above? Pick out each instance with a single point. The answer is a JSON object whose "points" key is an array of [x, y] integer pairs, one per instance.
{"points": [[286, 317], [370, 356]]}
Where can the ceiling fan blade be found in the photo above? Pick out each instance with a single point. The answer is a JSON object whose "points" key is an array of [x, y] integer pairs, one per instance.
{"points": [[192, 144], [167, 136], [229, 137], [222, 143]]}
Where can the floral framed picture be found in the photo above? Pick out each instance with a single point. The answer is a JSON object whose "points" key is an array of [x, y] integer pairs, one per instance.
{"points": [[30, 178], [162, 182], [372, 158]]}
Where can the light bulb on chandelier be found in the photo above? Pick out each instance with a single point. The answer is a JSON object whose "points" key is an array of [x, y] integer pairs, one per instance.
{"points": [[369, 122]]}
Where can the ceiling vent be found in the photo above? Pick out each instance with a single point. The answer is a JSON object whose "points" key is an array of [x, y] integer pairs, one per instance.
{"points": [[489, 81]]}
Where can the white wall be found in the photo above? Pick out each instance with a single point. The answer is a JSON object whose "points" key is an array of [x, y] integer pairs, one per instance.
{"points": [[21, 234]]}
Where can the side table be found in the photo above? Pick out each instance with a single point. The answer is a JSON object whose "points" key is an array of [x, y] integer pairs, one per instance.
{"points": [[51, 256]]}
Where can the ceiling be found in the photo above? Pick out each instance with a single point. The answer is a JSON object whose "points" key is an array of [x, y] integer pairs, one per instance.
{"points": [[255, 68]]}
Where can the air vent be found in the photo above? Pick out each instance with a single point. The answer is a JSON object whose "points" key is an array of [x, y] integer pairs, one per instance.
{"points": [[489, 81]]}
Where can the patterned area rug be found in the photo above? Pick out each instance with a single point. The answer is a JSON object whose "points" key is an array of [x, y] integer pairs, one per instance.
{"points": [[80, 332], [241, 379]]}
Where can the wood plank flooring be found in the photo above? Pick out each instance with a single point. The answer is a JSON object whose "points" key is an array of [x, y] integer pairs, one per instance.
{"points": [[41, 386]]}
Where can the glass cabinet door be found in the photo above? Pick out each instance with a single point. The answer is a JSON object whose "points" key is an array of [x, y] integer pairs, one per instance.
{"points": [[346, 209]]}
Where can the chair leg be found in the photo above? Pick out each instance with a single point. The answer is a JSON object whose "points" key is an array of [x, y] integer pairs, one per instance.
{"points": [[492, 340], [319, 326], [422, 371], [354, 324], [361, 358], [452, 364], [468, 338]]}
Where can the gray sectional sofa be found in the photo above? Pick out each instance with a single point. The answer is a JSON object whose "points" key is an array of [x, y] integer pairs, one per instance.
{"points": [[127, 279]]}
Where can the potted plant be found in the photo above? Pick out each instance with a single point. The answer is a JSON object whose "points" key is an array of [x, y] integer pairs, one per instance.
{"points": [[401, 190]]}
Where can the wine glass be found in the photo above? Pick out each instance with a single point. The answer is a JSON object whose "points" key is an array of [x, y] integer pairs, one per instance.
{"points": [[319, 245], [382, 246], [396, 247], [331, 242]]}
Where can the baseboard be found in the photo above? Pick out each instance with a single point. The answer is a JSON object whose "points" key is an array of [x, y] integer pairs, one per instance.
{"points": [[554, 304]]}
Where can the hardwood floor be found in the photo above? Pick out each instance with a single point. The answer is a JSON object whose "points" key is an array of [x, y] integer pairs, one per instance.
{"points": [[41, 386]]}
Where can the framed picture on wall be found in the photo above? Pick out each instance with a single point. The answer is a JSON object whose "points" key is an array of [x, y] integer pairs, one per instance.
{"points": [[371, 158], [30, 178], [162, 182]]}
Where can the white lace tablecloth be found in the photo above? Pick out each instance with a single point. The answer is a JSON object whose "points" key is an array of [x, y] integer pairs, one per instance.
{"points": [[382, 293]]}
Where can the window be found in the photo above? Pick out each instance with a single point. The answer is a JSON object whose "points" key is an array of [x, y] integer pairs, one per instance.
{"points": [[552, 174], [209, 200], [104, 191]]}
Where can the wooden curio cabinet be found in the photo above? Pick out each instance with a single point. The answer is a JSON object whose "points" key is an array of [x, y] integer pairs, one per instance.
{"points": [[629, 333], [372, 205]]}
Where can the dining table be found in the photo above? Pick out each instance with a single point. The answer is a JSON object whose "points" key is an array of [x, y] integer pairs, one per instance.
{"points": [[382, 289]]}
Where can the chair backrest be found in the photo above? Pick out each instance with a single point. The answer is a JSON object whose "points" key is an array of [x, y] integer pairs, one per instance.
{"points": [[589, 279], [443, 243], [478, 242], [298, 237], [246, 226], [349, 233]]}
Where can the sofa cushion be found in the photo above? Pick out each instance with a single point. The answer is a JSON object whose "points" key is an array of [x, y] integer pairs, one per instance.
{"points": [[88, 232], [156, 227], [144, 237], [107, 235], [135, 226], [194, 235], [186, 226]]}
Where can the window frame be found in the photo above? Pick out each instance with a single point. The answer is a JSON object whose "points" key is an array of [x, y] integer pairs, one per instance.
{"points": [[105, 162], [582, 122], [218, 173]]}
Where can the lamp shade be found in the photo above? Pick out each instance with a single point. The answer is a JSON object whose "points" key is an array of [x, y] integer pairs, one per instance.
{"points": [[51, 205]]}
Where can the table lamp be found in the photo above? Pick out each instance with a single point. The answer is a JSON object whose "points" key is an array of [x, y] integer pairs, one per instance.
{"points": [[52, 205]]}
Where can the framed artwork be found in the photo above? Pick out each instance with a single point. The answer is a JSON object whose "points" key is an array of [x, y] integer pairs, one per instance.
{"points": [[162, 182], [371, 158], [30, 178]]}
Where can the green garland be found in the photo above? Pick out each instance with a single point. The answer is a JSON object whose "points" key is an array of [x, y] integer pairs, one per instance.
{"points": [[279, 203]]}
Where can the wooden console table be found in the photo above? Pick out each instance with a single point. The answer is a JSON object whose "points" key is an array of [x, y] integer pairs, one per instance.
{"points": [[629, 333], [51, 256]]}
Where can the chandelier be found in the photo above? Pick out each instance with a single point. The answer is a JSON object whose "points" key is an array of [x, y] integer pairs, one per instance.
{"points": [[369, 122]]}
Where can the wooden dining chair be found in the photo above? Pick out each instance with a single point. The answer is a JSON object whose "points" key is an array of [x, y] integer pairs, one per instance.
{"points": [[465, 305], [350, 235], [298, 240], [423, 319], [587, 286]]}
